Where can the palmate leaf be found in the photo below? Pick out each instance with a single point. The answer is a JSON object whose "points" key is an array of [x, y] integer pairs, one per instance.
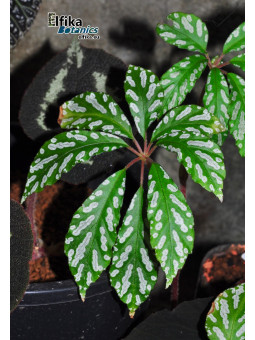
{"points": [[226, 319], [95, 111], [216, 100], [144, 95], [179, 80], [237, 110], [190, 119], [132, 272], [61, 153], [238, 61], [236, 40], [171, 222], [201, 157], [92, 231], [188, 32]]}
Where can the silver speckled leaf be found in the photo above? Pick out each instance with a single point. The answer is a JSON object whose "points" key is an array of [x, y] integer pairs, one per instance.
{"points": [[188, 32], [226, 319], [171, 222], [92, 231]]}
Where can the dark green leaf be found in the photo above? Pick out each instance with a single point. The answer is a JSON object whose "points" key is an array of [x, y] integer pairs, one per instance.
{"points": [[216, 100], [237, 110], [226, 319], [132, 272], [22, 15], [179, 80], [144, 96], [190, 119], [187, 32], [61, 153], [95, 111], [75, 70], [171, 222], [92, 231], [239, 61], [236, 40], [201, 157]]}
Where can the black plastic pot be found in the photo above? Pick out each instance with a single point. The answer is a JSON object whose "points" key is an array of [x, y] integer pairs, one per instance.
{"points": [[54, 311]]}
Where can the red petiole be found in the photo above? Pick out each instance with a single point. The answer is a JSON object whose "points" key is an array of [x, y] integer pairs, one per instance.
{"points": [[134, 151], [143, 156], [135, 160], [217, 63]]}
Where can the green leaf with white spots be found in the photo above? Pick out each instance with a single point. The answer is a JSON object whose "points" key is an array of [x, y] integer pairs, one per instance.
{"points": [[144, 95], [238, 61], [216, 100], [180, 79], [61, 153], [188, 32], [226, 318], [236, 40], [201, 157], [95, 111], [190, 119], [171, 222], [92, 232], [132, 273], [237, 110]]}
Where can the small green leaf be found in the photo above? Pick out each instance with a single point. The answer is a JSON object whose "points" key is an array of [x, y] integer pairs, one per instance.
{"points": [[201, 157], [216, 100], [179, 80], [237, 110], [132, 272], [188, 32], [144, 96], [61, 153], [236, 40], [95, 111], [92, 231], [171, 222], [190, 119], [226, 319], [239, 61]]}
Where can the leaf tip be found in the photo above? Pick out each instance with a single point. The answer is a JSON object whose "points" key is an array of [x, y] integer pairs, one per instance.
{"points": [[82, 295], [168, 283], [131, 314], [60, 116], [212, 308], [220, 197]]}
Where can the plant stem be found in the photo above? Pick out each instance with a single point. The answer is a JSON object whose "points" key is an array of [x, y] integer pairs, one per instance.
{"points": [[142, 173], [209, 60], [135, 160], [134, 151], [217, 61], [175, 291], [152, 150], [137, 145], [148, 147], [148, 162], [38, 250], [145, 143], [224, 64], [224, 72], [183, 176]]}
